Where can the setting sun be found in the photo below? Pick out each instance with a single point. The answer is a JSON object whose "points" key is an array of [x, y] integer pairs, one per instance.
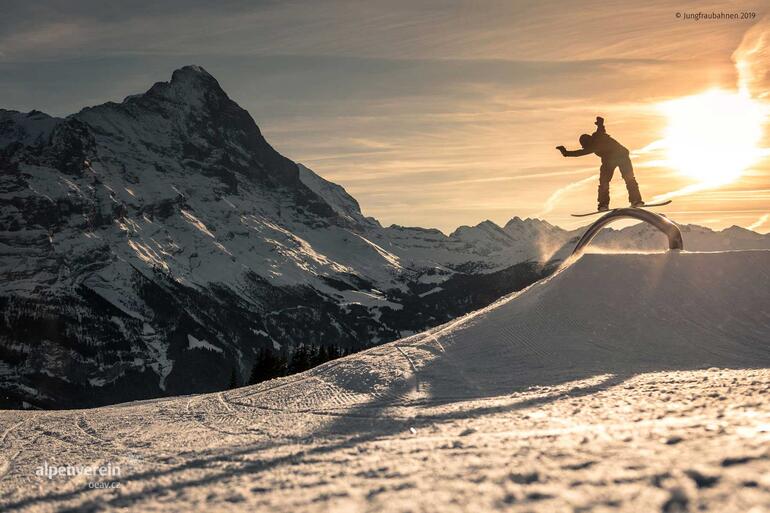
{"points": [[713, 137]]}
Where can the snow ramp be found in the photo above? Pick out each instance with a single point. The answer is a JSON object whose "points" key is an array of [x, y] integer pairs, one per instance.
{"points": [[620, 314]]}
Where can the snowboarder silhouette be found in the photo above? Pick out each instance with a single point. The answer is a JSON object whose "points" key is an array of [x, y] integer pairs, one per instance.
{"points": [[613, 154]]}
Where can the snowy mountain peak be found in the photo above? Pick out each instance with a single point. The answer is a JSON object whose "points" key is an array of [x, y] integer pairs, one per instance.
{"points": [[516, 222], [485, 226], [28, 128], [738, 230], [189, 84], [191, 71], [189, 125]]}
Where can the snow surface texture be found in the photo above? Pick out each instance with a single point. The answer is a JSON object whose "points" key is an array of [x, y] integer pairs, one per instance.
{"points": [[624, 382]]}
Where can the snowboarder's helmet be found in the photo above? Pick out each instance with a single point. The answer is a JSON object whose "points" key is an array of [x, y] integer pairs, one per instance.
{"points": [[585, 140]]}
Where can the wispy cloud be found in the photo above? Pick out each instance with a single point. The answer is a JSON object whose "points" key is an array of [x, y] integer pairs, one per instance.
{"points": [[759, 223], [752, 60], [557, 197]]}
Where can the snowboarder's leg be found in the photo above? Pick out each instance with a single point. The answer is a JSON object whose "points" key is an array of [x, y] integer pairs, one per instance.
{"points": [[605, 176], [627, 172]]}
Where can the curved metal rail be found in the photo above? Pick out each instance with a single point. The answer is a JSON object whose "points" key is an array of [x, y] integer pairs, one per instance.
{"points": [[658, 221]]}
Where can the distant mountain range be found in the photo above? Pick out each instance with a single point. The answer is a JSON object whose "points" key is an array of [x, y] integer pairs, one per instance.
{"points": [[155, 246]]}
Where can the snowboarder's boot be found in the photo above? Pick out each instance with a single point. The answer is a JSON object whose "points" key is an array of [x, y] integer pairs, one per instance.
{"points": [[602, 208]]}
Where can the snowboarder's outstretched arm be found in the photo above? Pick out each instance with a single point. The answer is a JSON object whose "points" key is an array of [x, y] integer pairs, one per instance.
{"points": [[573, 153]]}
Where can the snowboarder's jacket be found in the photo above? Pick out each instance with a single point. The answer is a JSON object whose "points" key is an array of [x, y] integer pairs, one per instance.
{"points": [[601, 144]]}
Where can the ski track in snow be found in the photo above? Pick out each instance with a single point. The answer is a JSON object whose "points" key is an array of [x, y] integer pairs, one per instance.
{"points": [[622, 383]]}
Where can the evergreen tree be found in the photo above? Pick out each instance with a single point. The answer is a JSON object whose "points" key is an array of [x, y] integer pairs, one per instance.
{"points": [[233, 380], [300, 360], [268, 365]]}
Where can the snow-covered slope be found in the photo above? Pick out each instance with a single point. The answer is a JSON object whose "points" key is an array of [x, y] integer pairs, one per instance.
{"points": [[129, 229], [336, 196], [618, 313], [624, 382]]}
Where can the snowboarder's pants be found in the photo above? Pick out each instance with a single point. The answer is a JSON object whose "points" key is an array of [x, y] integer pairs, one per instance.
{"points": [[626, 171]]}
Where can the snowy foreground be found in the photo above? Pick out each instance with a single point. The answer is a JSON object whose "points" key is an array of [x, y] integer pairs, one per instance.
{"points": [[626, 382]]}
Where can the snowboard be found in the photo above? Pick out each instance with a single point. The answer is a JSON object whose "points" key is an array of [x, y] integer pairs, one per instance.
{"points": [[648, 205]]}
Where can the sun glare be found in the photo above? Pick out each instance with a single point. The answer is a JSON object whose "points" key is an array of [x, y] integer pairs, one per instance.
{"points": [[713, 137]]}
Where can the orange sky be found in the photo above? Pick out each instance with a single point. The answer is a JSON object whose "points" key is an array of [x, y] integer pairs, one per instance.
{"points": [[488, 154], [439, 114]]}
